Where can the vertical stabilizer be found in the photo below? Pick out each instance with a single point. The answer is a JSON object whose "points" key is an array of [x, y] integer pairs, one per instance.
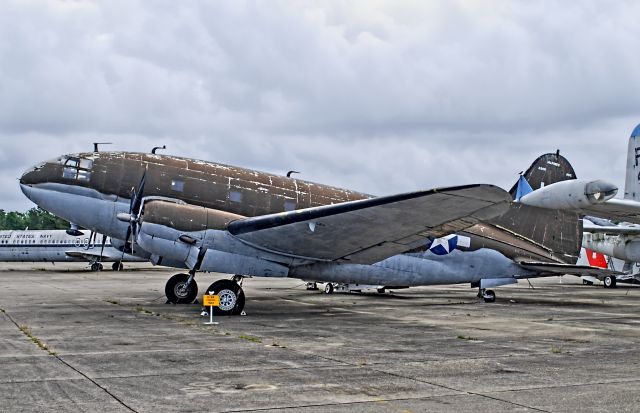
{"points": [[558, 230], [546, 169], [632, 182]]}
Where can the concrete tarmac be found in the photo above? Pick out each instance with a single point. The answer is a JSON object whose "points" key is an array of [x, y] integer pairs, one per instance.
{"points": [[72, 340]]}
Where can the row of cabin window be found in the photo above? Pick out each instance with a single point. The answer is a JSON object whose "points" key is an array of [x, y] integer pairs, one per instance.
{"points": [[50, 241], [234, 196], [80, 169]]}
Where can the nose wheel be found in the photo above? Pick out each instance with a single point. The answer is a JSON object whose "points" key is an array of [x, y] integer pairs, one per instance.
{"points": [[181, 289]]}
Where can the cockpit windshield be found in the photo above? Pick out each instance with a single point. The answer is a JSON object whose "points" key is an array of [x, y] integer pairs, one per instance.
{"points": [[76, 168]]}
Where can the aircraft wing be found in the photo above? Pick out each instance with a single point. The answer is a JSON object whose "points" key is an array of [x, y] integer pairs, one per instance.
{"points": [[86, 255], [611, 230], [619, 210], [370, 230], [545, 269]]}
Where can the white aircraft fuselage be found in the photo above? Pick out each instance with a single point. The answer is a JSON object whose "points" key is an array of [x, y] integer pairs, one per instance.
{"points": [[57, 246]]}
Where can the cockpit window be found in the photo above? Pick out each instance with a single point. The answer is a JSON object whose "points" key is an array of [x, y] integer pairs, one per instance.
{"points": [[77, 168]]}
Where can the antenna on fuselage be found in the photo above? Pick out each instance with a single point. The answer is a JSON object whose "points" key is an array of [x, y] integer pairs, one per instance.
{"points": [[153, 151], [95, 145], [291, 172]]}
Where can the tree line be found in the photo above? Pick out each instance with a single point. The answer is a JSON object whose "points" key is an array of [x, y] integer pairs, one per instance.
{"points": [[35, 218]]}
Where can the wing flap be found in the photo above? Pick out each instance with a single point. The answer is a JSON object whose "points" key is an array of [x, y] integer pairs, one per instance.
{"points": [[367, 231]]}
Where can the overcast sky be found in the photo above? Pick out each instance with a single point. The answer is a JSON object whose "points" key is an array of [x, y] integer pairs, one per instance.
{"points": [[378, 96]]}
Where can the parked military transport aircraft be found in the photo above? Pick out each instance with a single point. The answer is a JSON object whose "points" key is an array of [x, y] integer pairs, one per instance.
{"points": [[60, 246], [211, 217]]}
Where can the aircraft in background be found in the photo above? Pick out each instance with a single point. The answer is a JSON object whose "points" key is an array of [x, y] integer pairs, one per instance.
{"points": [[210, 217], [58, 246], [631, 270], [572, 194], [610, 227]]}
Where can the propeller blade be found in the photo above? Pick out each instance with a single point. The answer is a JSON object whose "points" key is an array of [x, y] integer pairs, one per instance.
{"points": [[135, 206], [136, 199]]}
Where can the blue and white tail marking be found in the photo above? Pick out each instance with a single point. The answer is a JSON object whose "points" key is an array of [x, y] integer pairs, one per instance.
{"points": [[523, 188], [445, 245]]}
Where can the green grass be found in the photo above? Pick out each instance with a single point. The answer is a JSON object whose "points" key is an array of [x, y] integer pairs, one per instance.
{"points": [[250, 338], [467, 338], [26, 330], [143, 310]]}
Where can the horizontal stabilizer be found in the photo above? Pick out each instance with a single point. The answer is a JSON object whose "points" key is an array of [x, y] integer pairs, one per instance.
{"points": [[86, 255], [551, 268]]}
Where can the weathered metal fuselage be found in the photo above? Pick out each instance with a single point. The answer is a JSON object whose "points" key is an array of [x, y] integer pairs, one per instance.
{"points": [[197, 199]]}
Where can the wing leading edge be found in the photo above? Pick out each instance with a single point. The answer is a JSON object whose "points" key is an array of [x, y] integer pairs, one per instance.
{"points": [[370, 230]]}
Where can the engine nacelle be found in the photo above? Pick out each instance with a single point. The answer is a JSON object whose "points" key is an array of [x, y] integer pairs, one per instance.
{"points": [[186, 218], [571, 194]]}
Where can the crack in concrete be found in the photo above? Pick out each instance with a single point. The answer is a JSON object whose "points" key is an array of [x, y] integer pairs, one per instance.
{"points": [[53, 354]]}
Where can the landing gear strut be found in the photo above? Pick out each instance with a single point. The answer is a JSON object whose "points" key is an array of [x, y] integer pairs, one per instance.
{"points": [[181, 289], [488, 295], [231, 296]]}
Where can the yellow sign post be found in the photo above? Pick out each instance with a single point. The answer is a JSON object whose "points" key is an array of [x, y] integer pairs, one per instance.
{"points": [[211, 301]]}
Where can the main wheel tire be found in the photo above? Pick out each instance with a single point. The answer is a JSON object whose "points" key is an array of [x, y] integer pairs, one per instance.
{"points": [[328, 289], [95, 267], [177, 293], [117, 266], [231, 297], [489, 296], [609, 281]]}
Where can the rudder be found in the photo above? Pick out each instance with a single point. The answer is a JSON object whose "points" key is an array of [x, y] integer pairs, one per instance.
{"points": [[632, 181]]}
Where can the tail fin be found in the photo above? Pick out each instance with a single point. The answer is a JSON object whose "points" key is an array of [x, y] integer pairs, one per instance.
{"points": [[632, 182], [547, 169], [559, 232]]}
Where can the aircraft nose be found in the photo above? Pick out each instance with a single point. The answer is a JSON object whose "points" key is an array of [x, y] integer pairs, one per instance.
{"points": [[601, 190], [29, 176]]}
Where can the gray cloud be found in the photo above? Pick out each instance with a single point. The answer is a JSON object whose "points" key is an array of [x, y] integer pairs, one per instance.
{"points": [[377, 96]]}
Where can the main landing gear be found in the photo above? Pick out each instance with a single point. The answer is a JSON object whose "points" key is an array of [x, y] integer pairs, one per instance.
{"points": [[231, 296], [183, 289], [609, 281], [488, 295]]}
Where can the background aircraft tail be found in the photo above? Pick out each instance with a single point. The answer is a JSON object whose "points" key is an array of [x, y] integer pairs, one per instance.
{"points": [[547, 169], [632, 181], [559, 232]]}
